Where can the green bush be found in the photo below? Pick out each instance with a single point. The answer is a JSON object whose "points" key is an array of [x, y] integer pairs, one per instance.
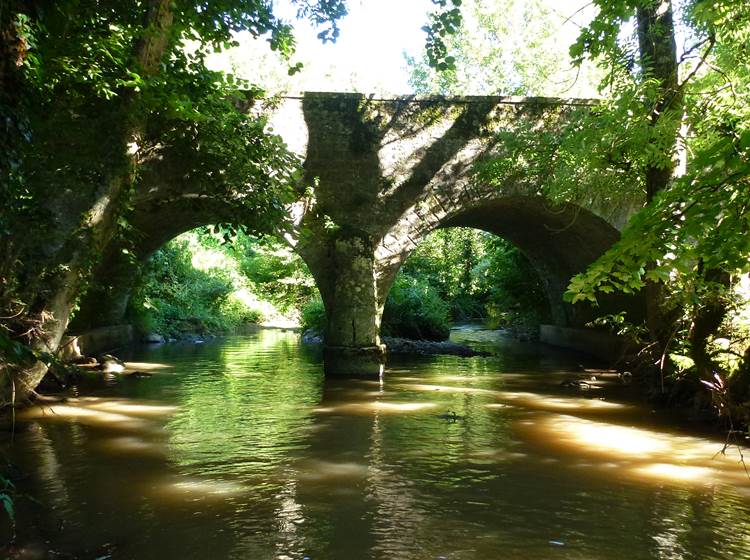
{"points": [[175, 298], [277, 274], [237, 312], [515, 294], [314, 316], [415, 310]]}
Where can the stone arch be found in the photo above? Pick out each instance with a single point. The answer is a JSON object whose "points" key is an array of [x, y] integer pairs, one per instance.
{"points": [[380, 175], [153, 225], [559, 241]]}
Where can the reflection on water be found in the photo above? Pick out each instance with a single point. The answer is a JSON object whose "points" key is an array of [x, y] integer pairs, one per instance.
{"points": [[240, 449]]}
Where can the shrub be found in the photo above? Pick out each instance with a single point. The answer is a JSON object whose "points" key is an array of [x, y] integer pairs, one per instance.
{"points": [[516, 294], [175, 298], [314, 316], [415, 310]]}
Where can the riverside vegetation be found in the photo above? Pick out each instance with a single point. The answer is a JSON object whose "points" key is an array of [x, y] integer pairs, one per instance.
{"points": [[200, 283]]}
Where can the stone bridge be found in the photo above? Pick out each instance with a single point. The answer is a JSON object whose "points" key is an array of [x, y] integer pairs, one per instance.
{"points": [[381, 175]]}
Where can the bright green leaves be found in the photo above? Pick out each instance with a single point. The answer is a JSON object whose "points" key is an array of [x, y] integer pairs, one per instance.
{"points": [[80, 52], [594, 155], [204, 138], [323, 13], [600, 37], [295, 68], [508, 48], [444, 22], [702, 222]]}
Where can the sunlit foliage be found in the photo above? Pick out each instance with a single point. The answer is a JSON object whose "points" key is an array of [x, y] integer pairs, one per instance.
{"points": [[672, 134]]}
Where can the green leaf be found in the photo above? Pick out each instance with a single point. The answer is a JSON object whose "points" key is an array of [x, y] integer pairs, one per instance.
{"points": [[8, 507]]}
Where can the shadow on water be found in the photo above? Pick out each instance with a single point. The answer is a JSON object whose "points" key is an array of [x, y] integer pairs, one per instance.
{"points": [[239, 448]]}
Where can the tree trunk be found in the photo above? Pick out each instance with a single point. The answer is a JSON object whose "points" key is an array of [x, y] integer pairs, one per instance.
{"points": [[708, 316], [100, 220], [658, 58]]}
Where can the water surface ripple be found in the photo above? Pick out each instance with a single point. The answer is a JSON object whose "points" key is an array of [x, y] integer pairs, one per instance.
{"points": [[240, 449]]}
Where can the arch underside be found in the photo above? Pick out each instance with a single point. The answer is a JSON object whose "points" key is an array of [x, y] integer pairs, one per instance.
{"points": [[560, 241], [152, 226]]}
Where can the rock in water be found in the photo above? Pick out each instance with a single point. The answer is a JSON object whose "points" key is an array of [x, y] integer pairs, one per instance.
{"points": [[153, 338], [111, 364]]}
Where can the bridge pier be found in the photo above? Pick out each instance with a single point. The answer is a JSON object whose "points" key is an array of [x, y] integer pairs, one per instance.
{"points": [[343, 265]]}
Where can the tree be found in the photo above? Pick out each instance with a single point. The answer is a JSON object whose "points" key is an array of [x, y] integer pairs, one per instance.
{"points": [[687, 245], [100, 96], [103, 100], [503, 48]]}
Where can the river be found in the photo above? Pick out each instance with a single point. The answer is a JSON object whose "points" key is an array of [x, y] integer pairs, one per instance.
{"points": [[240, 449]]}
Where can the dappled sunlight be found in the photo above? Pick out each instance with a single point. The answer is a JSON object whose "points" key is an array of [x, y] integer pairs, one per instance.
{"points": [[529, 400], [493, 455], [641, 453], [262, 446], [372, 406], [85, 415], [401, 407], [675, 472], [145, 366], [451, 389], [324, 409], [616, 439], [204, 488], [134, 445], [97, 411], [329, 470], [454, 378], [125, 407], [561, 404]]}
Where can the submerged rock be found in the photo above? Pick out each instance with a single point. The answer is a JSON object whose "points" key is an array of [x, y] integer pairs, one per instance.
{"points": [[111, 364], [154, 338], [311, 336], [396, 345], [429, 347]]}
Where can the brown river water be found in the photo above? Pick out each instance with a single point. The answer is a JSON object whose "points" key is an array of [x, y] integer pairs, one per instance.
{"points": [[240, 449]]}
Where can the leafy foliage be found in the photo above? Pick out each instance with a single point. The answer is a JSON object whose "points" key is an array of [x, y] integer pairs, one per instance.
{"points": [[503, 48], [477, 275], [515, 295], [175, 298], [276, 272], [107, 99], [444, 22], [415, 310], [208, 281], [314, 316], [688, 242]]}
